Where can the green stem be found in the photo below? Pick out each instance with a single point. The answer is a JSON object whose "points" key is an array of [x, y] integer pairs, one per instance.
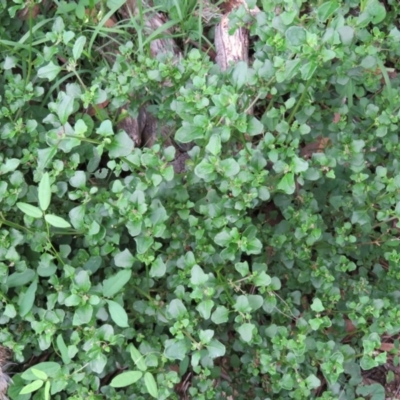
{"points": [[13, 225], [298, 104]]}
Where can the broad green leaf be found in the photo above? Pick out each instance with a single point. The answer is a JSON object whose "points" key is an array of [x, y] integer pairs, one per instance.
{"points": [[30, 210], [230, 167], [83, 315], [39, 374], [214, 145], [143, 243], [50, 71], [56, 221], [287, 184], [308, 69], [176, 309], [115, 283], [65, 108], [198, 277], [255, 301], [126, 379], [10, 165], [78, 47], [49, 367], [204, 308], [206, 335], [31, 387], [44, 192], [27, 299], [215, 349], [151, 385], [124, 259], [20, 278], [374, 391], [176, 349], [246, 331], [122, 145], [220, 315], [63, 349], [299, 165], [78, 180], [223, 238], [296, 35], [376, 11], [137, 358], [205, 170], [326, 10], [158, 268], [317, 305], [346, 34], [47, 390], [105, 129], [242, 268], [118, 314], [289, 71], [239, 74], [189, 132], [262, 279], [254, 127]]}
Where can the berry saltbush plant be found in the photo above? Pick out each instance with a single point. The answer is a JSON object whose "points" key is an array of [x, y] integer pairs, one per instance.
{"points": [[267, 269]]}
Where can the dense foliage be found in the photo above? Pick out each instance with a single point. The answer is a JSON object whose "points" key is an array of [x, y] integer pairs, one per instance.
{"points": [[268, 269]]}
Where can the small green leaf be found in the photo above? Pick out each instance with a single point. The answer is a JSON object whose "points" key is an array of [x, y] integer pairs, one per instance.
{"points": [[50, 71], [44, 192], [124, 259], [205, 170], [105, 129], [122, 145], [126, 379], [287, 184], [296, 35], [230, 167], [31, 387], [246, 332], [220, 315], [56, 221], [262, 279], [204, 308], [214, 145], [254, 127], [326, 10], [143, 243], [137, 358], [317, 305], [49, 367], [27, 299], [30, 210], [115, 283], [176, 349], [151, 385], [158, 268], [239, 74], [215, 349], [83, 315], [189, 132], [63, 349], [118, 314], [65, 109], [39, 374], [78, 47], [198, 277]]}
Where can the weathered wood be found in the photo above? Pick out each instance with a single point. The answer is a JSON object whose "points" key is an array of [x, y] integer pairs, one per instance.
{"points": [[230, 48]]}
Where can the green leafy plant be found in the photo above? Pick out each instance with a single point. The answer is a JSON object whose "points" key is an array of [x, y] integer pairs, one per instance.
{"points": [[266, 268]]}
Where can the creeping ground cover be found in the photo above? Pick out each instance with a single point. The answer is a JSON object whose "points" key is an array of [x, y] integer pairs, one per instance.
{"points": [[248, 250]]}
